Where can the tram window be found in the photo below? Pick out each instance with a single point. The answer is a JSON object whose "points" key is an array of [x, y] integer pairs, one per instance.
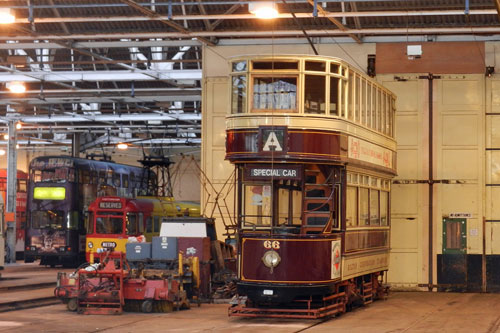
{"points": [[21, 185], [334, 68], [334, 93], [270, 93], [125, 180], [351, 206], [316, 66], [90, 223], [131, 224], [156, 224], [73, 220], [141, 222], [116, 179], [380, 103], [370, 105], [47, 218], [289, 202], [357, 96], [238, 94], [93, 177], [365, 112], [102, 177], [350, 102], [275, 65], [314, 94], [257, 205], [384, 207], [149, 224], [364, 217], [239, 66], [109, 225], [374, 207], [85, 177]]}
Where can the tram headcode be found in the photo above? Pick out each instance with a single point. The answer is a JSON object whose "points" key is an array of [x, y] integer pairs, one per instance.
{"points": [[272, 244]]}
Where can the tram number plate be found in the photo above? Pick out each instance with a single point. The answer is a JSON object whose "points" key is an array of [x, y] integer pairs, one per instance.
{"points": [[268, 292]]}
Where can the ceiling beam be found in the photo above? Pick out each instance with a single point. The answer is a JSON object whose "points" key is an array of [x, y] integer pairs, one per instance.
{"points": [[277, 33], [118, 75], [334, 21], [151, 14], [228, 15]]}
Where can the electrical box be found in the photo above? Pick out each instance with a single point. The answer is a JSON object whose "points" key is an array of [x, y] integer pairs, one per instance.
{"points": [[164, 248], [138, 251]]}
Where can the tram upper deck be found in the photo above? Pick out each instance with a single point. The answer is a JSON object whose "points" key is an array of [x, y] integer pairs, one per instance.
{"points": [[320, 108]]}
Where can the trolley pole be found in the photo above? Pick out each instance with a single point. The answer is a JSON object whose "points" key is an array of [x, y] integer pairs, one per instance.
{"points": [[11, 192]]}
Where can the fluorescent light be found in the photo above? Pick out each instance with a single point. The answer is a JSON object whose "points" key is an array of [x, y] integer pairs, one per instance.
{"points": [[263, 9], [7, 16], [16, 87], [122, 146]]}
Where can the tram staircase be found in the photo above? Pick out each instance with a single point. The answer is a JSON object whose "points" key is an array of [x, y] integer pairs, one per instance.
{"points": [[367, 292]]}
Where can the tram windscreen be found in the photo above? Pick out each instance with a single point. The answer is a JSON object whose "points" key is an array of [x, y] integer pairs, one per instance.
{"points": [[109, 225], [47, 219], [257, 205], [56, 175]]}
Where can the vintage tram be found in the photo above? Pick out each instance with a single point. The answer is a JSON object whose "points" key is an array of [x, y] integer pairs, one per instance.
{"points": [[313, 144], [113, 220]]}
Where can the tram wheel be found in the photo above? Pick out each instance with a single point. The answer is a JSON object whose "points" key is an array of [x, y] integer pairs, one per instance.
{"points": [[147, 306], [72, 304]]}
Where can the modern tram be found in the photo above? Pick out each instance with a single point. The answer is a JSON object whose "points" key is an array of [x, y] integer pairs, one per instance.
{"points": [[312, 141], [60, 190], [113, 220]]}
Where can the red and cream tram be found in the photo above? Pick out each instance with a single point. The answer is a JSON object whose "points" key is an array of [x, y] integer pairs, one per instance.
{"points": [[313, 143]]}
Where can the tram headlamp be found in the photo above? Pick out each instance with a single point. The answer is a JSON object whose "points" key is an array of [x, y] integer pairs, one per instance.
{"points": [[271, 259], [90, 245]]}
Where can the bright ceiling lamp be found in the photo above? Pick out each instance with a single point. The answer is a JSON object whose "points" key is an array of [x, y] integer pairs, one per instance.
{"points": [[122, 146], [19, 125], [2, 152], [16, 87], [6, 137], [263, 9], [7, 16]]}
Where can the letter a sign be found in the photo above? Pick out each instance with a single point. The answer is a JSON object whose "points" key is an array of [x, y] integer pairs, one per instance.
{"points": [[272, 143]]}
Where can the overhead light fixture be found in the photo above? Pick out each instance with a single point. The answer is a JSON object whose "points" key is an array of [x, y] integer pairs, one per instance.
{"points": [[263, 9], [16, 87], [17, 146], [122, 146], [6, 137], [7, 16], [19, 125], [2, 152]]}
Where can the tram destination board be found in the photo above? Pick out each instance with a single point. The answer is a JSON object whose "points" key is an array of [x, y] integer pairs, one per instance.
{"points": [[259, 172]]}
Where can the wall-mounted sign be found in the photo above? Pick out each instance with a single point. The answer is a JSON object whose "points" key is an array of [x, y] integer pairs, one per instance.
{"points": [[460, 215]]}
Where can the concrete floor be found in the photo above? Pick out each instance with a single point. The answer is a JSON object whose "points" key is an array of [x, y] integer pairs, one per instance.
{"points": [[401, 312]]}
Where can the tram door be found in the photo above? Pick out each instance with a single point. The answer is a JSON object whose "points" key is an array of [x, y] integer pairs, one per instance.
{"points": [[452, 263]]}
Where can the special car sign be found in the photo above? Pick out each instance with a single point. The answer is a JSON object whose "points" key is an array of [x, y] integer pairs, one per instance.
{"points": [[266, 172]]}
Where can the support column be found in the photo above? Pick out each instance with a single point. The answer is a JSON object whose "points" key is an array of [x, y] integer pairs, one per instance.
{"points": [[75, 145], [11, 192]]}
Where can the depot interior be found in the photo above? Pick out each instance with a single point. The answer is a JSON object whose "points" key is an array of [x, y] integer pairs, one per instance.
{"points": [[153, 76]]}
